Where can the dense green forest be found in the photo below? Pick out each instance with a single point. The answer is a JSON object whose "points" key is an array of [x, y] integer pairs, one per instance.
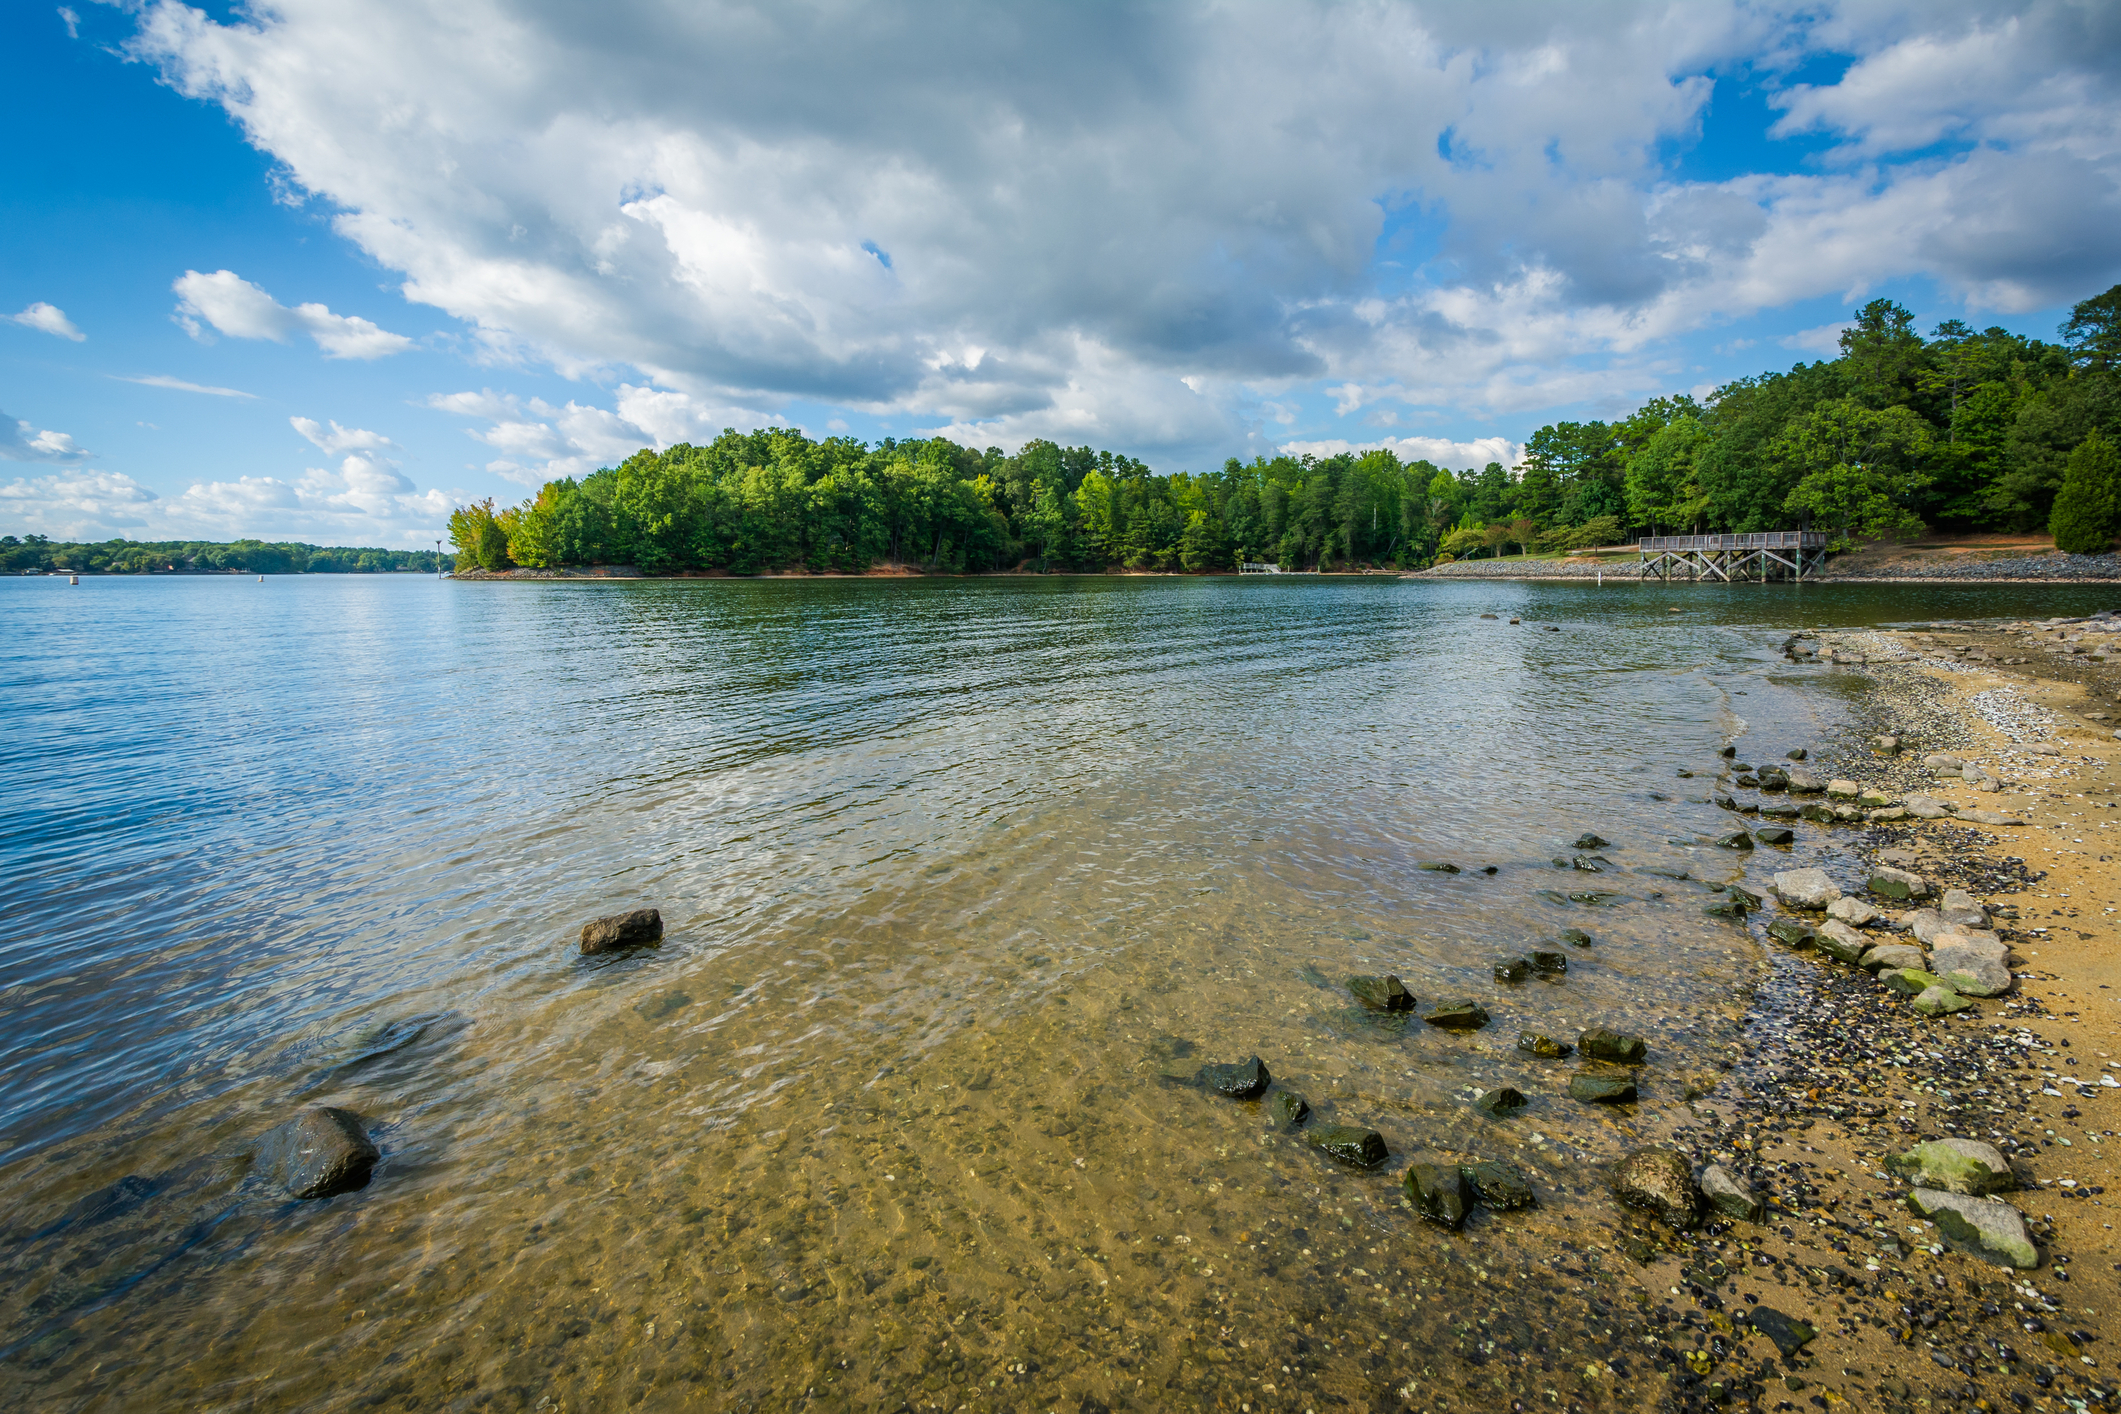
{"points": [[1960, 431], [34, 552]]}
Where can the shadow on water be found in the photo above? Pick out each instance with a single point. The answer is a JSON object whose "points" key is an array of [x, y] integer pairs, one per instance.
{"points": [[963, 884]]}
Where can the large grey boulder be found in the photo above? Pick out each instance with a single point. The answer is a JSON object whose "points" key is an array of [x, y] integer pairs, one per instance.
{"points": [[1975, 941], [1805, 783], [1727, 1195], [1924, 807], [1888, 882], [642, 928], [1961, 909], [320, 1152], [1841, 942], [1955, 1166], [1805, 888], [1896, 955], [1924, 923], [1987, 1228], [1660, 1180], [1943, 763], [1852, 911], [1970, 973], [1843, 790]]}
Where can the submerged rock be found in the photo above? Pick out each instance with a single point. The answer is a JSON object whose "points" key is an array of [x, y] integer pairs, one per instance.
{"points": [[1385, 993], [1457, 1016], [1514, 970], [1438, 866], [1601, 1090], [1805, 888], [1245, 1080], [1955, 1166], [1499, 1101], [1818, 814], [1587, 840], [1774, 834], [320, 1152], [1548, 963], [1540, 1044], [1736, 839], [1788, 1334], [1289, 1108], [1576, 937], [1987, 1228], [1497, 1185], [1351, 1144], [1604, 1043], [1659, 1180], [1794, 932], [1438, 1192], [642, 928], [1727, 1195]]}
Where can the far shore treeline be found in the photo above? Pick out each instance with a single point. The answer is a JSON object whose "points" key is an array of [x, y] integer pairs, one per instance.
{"points": [[1961, 431], [25, 554]]}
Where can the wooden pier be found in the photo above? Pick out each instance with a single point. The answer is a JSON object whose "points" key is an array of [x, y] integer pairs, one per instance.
{"points": [[1790, 555]]}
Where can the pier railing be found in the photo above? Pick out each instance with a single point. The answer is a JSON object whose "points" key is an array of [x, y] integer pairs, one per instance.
{"points": [[1758, 540]]}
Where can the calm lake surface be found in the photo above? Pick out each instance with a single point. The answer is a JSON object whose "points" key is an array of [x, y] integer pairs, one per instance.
{"points": [[962, 881]]}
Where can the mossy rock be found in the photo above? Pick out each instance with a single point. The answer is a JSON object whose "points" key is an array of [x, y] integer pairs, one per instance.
{"points": [[1911, 981], [1602, 1090], [1246, 1080], [1514, 970], [1794, 932], [1499, 1101], [1577, 938], [1549, 963], [1736, 839], [1606, 1044], [1439, 1193], [1457, 1016], [1289, 1108], [1538, 1043], [1497, 1185]]}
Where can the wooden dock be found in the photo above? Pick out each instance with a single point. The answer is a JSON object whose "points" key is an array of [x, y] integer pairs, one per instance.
{"points": [[1788, 555]]}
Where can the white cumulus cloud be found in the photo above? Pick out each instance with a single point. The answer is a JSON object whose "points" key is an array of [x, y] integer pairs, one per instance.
{"points": [[1136, 222], [539, 441], [48, 317], [22, 442], [1442, 451], [235, 307]]}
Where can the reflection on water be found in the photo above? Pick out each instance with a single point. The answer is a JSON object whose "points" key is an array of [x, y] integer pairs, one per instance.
{"points": [[963, 881]]}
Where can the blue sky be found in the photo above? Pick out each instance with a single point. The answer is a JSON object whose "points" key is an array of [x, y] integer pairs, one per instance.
{"points": [[323, 271]]}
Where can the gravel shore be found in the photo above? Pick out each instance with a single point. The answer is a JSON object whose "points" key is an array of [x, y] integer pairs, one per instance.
{"points": [[1839, 1076]]}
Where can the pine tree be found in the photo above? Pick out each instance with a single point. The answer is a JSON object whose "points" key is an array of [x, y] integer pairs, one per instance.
{"points": [[2088, 507]]}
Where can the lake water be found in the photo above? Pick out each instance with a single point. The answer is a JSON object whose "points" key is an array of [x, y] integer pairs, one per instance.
{"points": [[962, 880]]}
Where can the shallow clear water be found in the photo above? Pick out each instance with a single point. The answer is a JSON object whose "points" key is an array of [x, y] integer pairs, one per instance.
{"points": [[962, 881]]}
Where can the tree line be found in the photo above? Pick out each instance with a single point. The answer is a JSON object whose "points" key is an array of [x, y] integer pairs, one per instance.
{"points": [[31, 553], [1959, 431]]}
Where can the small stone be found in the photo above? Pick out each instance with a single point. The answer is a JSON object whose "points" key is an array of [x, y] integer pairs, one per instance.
{"points": [[1987, 1228], [1806, 783], [1899, 884], [1438, 1192], [642, 928], [1549, 963], [1887, 744], [1289, 1108], [1843, 790], [1940, 1000], [1788, 1334], [1725, 800], [320, 1152], [1514, 970], [1660, 1180], [1805, 888], [1587, 840], [1886, 814], [1924, 923], [1797, 755], [1621, 1047], [1989, 817], [1841, 942], [1792, 932], [1818, 814], [1438, 866], [1774, 834], [1351, 1144], [1727, 1195], [1774, 778], [1852, 911], [1730, 909], [1728, 752], [1944, 763], [1457, 1016], [1955, 1166], [1576, 937], [1591, 863], [1898, 956], [1922, 807], [1540, 1044], [1385, 993], [1246, 1080], [1736, 839], [1499, 1101], [1601, 1090], [1497, 1185]]}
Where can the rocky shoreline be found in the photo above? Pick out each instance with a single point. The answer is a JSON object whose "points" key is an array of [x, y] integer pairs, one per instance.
{"points": [[2054, 568], [1931, 1228]]}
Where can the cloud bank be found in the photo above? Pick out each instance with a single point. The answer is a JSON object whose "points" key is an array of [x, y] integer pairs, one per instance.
{"points": [[1142, 224]]}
